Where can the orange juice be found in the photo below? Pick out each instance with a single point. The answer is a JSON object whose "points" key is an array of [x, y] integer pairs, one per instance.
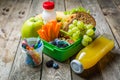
{"points": [[91, 54]]}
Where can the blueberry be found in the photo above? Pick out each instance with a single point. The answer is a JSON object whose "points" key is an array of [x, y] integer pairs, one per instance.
{"points": [[56, 40], [65, 45], [55, 66], [49, 63], [61, 43], [53, 42]]}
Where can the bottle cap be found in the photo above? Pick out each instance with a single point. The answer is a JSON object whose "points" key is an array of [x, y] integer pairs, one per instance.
{"points": [[48, 5], [76, 66]]}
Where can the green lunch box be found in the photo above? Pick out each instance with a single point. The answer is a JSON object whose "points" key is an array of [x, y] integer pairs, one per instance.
{"points": [[61, 54]]}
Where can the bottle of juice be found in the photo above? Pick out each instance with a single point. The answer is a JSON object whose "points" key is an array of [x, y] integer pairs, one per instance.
{"points": [[91, 54]]}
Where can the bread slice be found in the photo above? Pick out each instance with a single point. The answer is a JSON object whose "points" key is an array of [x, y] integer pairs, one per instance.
{"points": [[86, 18]]}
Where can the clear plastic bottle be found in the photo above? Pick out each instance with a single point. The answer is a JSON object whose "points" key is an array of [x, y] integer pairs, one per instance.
{"points": [[48, 11], [91, 54]]}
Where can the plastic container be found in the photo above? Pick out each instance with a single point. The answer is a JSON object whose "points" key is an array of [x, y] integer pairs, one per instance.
{"points": [[61, 54], [29, 60], [48, 11], [90, 55]]}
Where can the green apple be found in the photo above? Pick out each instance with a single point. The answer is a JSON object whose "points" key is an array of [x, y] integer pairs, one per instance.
{"points": [[30, 27]]}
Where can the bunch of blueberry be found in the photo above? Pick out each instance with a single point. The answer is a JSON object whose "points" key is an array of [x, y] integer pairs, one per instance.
{"points": [[53, 64], [60, 43]]}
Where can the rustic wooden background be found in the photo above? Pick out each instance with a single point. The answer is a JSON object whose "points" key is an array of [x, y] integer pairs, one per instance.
{"points": [[14, 12]]}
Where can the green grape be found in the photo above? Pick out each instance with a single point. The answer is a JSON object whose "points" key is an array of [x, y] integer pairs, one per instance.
{"points": [[74, 10], [90, 32], [70, 32], [71, 26], [75, 36], [75, 29], [67, 12], [89, 26], [71, 12], [84, 43], [75, 22], [80, 25], [82, 32], [82, 9], [87, 38], [85, 25], [77, 32]]}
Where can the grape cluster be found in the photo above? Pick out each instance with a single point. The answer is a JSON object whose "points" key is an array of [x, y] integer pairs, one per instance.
{"points": [[78, 29], [75, 10]]}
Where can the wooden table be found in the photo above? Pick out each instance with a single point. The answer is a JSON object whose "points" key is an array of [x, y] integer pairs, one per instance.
{"points": [[14, 12]]}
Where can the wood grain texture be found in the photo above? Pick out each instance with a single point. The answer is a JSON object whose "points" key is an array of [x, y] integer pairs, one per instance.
{"points": [[12, 61], [59, 5], [21, 71], [117, 3], [36, 8], [101, 24], [112, 16], [6, 8], [7, 51], [63, 73], [69, 4]]}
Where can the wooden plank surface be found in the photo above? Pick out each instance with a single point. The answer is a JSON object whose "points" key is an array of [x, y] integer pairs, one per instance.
{"points": [[112, 16], [12, 61], [6, 8], [69, 4], [7, 51], [62, 73], [36, 8], [117, 3], [21, 71], [111, 63]]}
